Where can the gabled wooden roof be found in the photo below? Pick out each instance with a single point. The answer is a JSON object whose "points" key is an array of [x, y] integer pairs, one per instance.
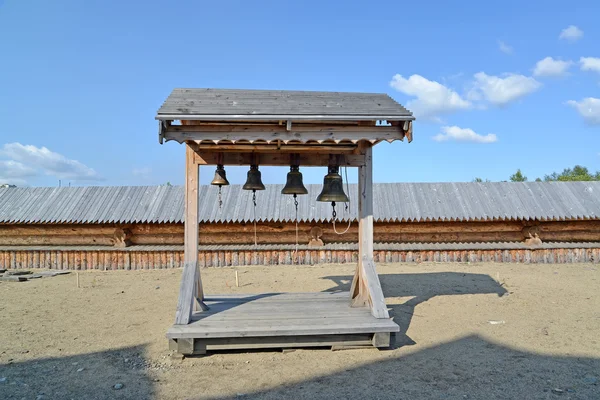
{"points": [[236, 104], [231, 117]]}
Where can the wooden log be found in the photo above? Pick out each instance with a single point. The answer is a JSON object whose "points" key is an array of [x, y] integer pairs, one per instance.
{"points": [[272, 159]]}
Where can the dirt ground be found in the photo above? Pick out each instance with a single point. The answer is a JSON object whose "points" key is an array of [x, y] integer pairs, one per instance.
{"points": [[468, 331]]}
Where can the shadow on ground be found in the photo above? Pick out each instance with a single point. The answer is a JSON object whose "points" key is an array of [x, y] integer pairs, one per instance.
{"points": [[423, 287], [85, 376], [468, 368]]}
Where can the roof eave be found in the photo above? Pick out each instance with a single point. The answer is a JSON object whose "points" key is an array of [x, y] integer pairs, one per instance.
{"points": [[281, 117]]}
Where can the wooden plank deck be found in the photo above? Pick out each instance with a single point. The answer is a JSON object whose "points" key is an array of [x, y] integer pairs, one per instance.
{"points": [[281, 320]]}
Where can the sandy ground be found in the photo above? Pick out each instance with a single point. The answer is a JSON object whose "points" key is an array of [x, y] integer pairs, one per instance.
{"points": [[58, 341]]}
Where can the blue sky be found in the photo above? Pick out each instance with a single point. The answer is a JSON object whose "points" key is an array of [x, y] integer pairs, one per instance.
{"points": [[80, 81]]}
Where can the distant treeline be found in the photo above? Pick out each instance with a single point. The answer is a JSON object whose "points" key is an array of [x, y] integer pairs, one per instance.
{"points": [[577, 173]]}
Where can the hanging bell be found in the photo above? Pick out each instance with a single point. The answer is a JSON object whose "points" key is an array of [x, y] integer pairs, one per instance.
{"points": [[294, 183], [220, 178], [253, 182], [333, 187]]}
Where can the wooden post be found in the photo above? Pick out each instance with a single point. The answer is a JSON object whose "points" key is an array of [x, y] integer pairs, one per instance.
{"points": [[190, 291], [366, 289]]}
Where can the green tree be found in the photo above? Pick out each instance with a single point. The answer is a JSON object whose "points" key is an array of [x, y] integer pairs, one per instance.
{"points": [[577, 173], [518, 177]]}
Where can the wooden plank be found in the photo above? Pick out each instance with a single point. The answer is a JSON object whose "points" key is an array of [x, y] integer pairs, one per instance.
{"points": [[271, 148], [286, 342], [273, 133], [281, 117], [275, 159], [376, 299], [301, 327], [186, 300], [277, 296]]}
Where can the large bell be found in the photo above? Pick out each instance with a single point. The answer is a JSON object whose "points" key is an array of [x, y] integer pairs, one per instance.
{"points": [[253, 182], [294, 183], [220, 178], [333, 187]]}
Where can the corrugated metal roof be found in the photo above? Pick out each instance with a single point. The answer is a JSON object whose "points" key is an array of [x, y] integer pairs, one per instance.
{"points": [[392, 202], [279, 104]]}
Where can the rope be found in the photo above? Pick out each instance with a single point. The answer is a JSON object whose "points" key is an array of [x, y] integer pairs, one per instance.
{"points": [[347, 208], [254, 201], [220, 198], [296, 205], [334, 214]]}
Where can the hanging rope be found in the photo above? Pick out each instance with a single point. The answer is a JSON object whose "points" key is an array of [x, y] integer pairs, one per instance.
{"points": [[296, 205], [220, 198], [254, 201], [347, 207]]}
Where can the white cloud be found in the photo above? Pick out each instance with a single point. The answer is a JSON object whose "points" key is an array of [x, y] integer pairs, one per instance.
{"points": [[459, 134], [588, 108], [143, 173], [506, 49], [590, 64], [432, 98], [551, 67], [572, 33], [13, 172], [502, 90], [49, 162]]}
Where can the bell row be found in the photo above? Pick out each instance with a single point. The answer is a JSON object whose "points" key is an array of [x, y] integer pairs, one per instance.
{"points": [[333, 187]]}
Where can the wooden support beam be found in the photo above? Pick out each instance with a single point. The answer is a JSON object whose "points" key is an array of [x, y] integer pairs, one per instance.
{"points": [[275, 148], [190, 291], [273, 133], [366, 288], [275, 159]]}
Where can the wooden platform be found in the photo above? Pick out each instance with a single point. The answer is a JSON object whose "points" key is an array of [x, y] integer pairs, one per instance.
{"points": [[278, 320]]}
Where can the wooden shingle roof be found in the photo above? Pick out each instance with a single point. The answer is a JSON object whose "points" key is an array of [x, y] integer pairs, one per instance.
{"points": [[232, 104]]}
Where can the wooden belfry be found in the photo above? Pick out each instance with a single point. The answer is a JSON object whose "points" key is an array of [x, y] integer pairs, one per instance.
{"points": [[241, 127]]}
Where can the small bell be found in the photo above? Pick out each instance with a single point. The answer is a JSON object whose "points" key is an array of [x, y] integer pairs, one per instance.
{"points": [[220, 178], [294, 183], [253, 182], [333, 187]]}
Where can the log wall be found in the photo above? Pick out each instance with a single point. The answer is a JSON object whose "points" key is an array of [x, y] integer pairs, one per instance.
{"points": [[116, 259], [278, 233], [150, 246]]}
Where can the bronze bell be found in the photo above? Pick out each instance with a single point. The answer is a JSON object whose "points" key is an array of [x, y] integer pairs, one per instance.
{"points": [[253, 182], [333, 187], [220, 178], [294, 183]]}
